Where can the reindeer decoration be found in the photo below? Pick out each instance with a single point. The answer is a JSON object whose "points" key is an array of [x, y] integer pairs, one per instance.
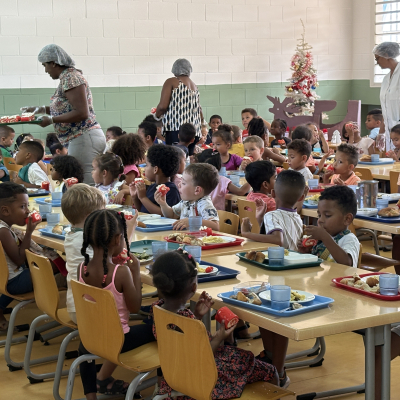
{"points": [[287, 109]]}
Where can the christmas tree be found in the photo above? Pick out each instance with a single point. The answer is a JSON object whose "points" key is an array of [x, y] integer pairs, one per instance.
{"points": [[304, 78]]}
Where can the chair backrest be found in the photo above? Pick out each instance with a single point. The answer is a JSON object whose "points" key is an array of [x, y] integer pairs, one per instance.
{"points": [[99, 324], [44, 284], [187, 368], [13, 167], [228, 222], [3, 271], [364, 173], [285, 165], [359, 257], [394, 177], [8, 160], [248, 209]]}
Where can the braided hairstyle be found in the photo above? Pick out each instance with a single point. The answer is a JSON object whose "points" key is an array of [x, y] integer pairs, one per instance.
{"points": [[100, 228], [111, 163], [281, 122], [173, 272]]}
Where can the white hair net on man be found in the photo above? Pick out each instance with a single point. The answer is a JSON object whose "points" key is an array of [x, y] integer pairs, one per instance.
{"points": [[387, 50], [54, 53], [181, 67]]}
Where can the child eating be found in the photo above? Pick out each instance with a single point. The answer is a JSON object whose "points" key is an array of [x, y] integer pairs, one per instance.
{"points": [[299, 151], [278, 129], [342, 171], [7, 135], [237, 145], [175, 276], [337, 208], [351, 133], [198, 181], [373, 122], [304, 132], [395, 138], [254, 149], [201, 144], [162, 162], [222, 142], [186, 135], [30, 175], [283, 226], [65, 167]]}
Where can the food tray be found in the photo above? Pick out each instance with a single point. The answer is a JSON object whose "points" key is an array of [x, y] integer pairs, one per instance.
{"points": [[392, 197], [287, 265], [236, 242], [47, 231], [238, 173], [383, 220], [34, 122], [54, 203], [318, 303], [306, 205], [39, 192], [139, 245], [381, 161], [336, 281], [155, 228]]}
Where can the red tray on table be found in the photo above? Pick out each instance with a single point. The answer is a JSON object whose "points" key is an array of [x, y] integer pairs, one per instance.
{"points": [[321, 188], [236, 242], [336, 281]]}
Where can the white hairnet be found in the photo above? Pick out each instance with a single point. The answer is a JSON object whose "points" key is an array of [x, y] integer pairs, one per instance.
{"points": [[54, 53], [387, 50], [181, 67]]}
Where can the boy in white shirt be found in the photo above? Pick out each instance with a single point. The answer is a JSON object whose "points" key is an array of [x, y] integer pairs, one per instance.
{"points": [[374, 122], [198, 181], [337, 208], [299, 151], [283, 226], [30, 175]]}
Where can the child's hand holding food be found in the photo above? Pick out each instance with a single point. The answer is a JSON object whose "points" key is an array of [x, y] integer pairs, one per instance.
{"points": [[316, 232], [160, 198], [203, 305]]}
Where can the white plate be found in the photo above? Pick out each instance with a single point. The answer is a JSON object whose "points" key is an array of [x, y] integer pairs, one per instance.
{"points": [[227, 239], [113, 206], [309, 296], [213, 272], [148, 216], [367, 211], [389, 196], [161, 221]]}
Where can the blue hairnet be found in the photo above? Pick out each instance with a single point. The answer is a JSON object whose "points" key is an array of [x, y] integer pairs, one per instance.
{"points": [[54, 53], [387, 50]]}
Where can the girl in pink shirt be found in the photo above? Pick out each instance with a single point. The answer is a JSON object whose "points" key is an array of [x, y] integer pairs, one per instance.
{"points": [[225, 185]]}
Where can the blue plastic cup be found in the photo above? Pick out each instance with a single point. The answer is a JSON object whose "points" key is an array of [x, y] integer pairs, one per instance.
{"points": [[222, 171], [389, 284], [276, 255], [45, 209], [382, 203], [195, 223], [280, 297], [313, 183], [374, 157], [53, 218], [56, 195], [235, 180], [195, 251], [158, 248]]}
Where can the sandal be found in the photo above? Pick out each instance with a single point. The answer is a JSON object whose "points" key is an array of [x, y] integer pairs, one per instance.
{"points": [[116, 388], [4, 326]]}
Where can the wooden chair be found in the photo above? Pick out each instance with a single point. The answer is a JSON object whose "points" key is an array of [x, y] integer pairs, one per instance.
{"points": [[8, 160], [364, 173], [394, 177], [48, 300], [24, 299], [247, 209], [101, 333], [196, 376], [228, 222], [14, 167]]}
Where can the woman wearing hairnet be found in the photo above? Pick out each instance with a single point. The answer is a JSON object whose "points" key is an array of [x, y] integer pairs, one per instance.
{"points": [[71, 109], [385, 56], [179, 103]]}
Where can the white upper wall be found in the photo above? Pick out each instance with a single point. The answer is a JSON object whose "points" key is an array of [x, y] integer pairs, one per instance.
{"points": [[134, 43]]}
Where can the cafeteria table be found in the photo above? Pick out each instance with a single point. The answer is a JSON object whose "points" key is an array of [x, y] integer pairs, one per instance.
{"points": [[350, 311]]}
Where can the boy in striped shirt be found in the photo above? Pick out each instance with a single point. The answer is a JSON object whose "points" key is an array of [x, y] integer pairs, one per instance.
{"points": [[283, 226]]}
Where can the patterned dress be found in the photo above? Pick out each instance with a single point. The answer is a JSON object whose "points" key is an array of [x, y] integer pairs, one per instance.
{"points": [[184, 107], [236, 368]]}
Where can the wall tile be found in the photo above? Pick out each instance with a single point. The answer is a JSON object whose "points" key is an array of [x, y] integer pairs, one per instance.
{"points": [[231, 64], [216, 47], [69, 9], [232, 30], [205, 29], [163, 11], [18, 26], [205, 64], [163, 47], [9, 45], [74, 46], [148, 29], [117, 28], [8, 7], [244, 46], [256, 63], [103, 47], [281, 30], [149, 65], [135, 10], [19, 65], [269, 46], [245, 13], [218, 12], [102, 9], [92, 65], [118, 65], [30, 46], [192, 47], [267, 13], [42, 8], [134, 47], [257, 30], [84, 27], [177, 29], [191, 12]]}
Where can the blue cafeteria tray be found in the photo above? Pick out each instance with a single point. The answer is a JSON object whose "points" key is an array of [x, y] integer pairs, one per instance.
{"points": [[155, 228], [54, 203], [39, 192], [239, 173], [318, 303], [47, 231], [377, 218], [306, 205], [382, 161]]}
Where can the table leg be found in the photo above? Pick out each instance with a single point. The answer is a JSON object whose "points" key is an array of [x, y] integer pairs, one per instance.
{"points": [[385, 391], [369, 364]]}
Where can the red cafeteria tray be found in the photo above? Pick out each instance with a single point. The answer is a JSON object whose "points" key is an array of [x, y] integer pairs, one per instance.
{"points": [[237, 242], [336, 281]]}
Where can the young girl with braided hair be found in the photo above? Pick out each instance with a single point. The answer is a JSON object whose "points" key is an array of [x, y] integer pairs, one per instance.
{"points": [[175, 277], [105, 232]]}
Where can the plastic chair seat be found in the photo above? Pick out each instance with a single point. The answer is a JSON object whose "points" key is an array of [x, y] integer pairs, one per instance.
{"points": [[22, 297], [264, 391], [64, 318], [142, 359]]}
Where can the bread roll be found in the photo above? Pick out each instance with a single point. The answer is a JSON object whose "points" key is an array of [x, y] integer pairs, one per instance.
{"points": [[242, 297], [251, 255], [141, 224], [58, 229], [260, 257], [372, 281]]}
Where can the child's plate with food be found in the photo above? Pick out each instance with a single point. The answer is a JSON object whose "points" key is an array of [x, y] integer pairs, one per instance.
{"points": [[200, 239], [313, 200], [296, 296], [217, 239], [392, 197], [367, 212], [206, 270], [48, 200], [159, 222], [143, 248], [113, 206], [147, 217], [143, 256], [37, 192], [55, 231], [381, 161]]}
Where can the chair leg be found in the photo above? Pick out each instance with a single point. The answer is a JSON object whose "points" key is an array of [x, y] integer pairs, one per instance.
{"points": [[314, 362], [137, 385], [305, 353], [35, 378]]}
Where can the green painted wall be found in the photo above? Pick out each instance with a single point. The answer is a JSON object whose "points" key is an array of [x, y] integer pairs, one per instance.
{"points": [[126, 107]]}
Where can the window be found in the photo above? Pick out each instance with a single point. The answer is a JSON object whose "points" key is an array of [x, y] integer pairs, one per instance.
{"points": [[387, 29]]}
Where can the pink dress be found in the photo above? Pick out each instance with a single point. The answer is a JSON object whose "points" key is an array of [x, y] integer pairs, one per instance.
{"points": [[218, 194], [119, 299], [236, 368]]}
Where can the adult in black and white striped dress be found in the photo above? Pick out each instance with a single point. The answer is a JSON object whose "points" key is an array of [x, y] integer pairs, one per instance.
{"points": [[179, 103]]}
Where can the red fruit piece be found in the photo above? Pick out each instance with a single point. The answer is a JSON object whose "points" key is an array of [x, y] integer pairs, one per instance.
{"points": [[330, 168], [307, 242], [209, 269], [163, 189]]}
